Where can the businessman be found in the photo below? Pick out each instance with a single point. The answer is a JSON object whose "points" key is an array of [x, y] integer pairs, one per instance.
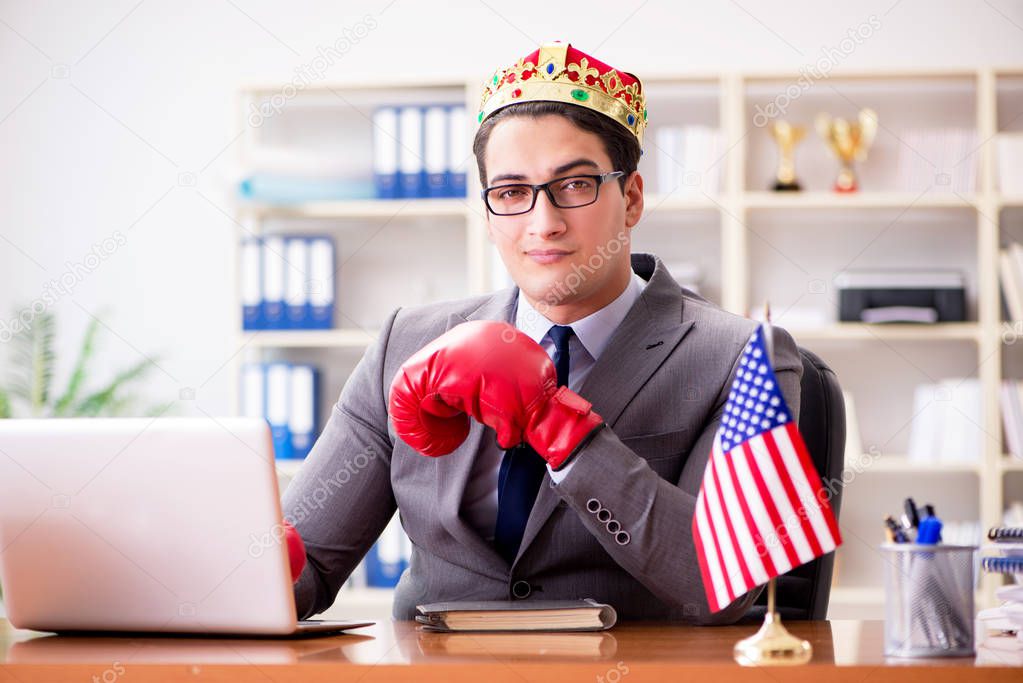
{"points": [[546, 441]]}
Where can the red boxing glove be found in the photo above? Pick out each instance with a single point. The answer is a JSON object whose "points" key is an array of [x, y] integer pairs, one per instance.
{"points": [[296, 550], [498, 375]]}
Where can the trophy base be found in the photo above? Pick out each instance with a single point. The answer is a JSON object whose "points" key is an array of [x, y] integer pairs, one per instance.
{"points": [[772, 645], [779, 186]]}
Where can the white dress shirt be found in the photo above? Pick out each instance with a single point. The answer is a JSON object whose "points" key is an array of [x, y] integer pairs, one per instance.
{"points": [[590, 338]]}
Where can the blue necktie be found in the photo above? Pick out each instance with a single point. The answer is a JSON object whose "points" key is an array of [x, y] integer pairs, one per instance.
{"points": [[522, 470]]}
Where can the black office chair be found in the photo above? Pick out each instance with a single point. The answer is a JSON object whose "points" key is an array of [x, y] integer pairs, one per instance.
{"points": [[803, 592]]}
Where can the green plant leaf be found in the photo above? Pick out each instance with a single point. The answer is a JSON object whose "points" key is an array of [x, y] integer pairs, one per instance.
{"points": [[100, 401], [5, 405], [77, 378], [33, 362]]}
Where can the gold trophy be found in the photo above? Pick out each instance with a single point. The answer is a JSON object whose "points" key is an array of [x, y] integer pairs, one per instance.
{"points": [[848, 142], [787, 136]]}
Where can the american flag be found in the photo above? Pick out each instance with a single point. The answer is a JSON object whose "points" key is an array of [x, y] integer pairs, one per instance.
{"points": [[761, 509]]}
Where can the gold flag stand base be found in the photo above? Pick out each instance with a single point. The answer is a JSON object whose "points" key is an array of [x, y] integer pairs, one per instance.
{"points": [[772, 645]]}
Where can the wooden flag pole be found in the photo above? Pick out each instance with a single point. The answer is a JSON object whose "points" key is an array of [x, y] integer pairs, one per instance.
{"points": [[772, 645]]}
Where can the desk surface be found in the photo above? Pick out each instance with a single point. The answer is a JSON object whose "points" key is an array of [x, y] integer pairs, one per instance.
{"points": [[631, 652]]}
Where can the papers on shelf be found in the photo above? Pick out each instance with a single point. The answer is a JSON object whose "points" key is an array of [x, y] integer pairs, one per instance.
{"points": [[946, 423]]}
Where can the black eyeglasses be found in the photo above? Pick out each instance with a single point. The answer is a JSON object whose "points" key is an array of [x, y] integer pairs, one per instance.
{"points": [[569, 192]]}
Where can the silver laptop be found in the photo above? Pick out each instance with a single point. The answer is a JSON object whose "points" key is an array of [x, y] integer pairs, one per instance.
{"points": [[145, 524]]}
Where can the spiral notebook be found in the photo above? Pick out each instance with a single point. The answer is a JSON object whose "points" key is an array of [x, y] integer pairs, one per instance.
{"points": [[535, 615], [1006, 534]]}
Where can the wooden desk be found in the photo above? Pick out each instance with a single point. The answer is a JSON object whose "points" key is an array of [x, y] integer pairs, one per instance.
{"points": [[629, 653]]}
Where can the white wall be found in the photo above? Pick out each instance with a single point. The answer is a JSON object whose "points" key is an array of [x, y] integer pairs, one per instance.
{"points": [[105, 107]]}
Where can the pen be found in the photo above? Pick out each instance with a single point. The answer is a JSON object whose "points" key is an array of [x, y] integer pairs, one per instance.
{"points": [[907, 528], [895, 531], [912, 513]]}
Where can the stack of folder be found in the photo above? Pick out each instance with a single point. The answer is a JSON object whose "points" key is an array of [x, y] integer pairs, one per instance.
{"points": [[420, 151], [286, 395], [287, 282]]}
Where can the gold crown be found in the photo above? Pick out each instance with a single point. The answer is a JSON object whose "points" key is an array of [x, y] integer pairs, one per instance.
{"points": [[557, 72]]}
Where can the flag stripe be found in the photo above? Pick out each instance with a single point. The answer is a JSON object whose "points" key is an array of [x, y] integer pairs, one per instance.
{"points": [[759, 548], [722, 594], [702, 555], [808, 501], [799, 510], [738, 516], [732, 539], [775, 534], [717, 524], [814, 480], [790, 528], [775, 553]]}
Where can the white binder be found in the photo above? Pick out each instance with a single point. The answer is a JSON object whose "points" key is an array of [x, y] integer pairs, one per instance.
{"points": [[458, 150], [250, 272], [385, 152], [273, 282], [278, 400], [296, 283], [302, 416], [438, 177], [322, 283], [410, 152]]}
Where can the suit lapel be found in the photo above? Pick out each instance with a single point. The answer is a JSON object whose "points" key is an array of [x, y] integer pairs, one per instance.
{"points": [[650, 331], [453, 470]]}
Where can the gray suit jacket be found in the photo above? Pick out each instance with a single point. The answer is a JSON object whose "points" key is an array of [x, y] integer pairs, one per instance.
{"points": [[660, 385]]}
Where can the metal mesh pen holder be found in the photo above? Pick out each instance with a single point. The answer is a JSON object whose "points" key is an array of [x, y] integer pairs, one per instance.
{"points": [[928, 600]]}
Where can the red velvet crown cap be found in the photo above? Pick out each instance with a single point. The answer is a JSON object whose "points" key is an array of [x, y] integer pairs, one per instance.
{"points": [[558, 72]]}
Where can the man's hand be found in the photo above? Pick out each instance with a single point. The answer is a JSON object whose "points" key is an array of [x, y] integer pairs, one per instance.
{"points": [[498, 375], [296, 550]]}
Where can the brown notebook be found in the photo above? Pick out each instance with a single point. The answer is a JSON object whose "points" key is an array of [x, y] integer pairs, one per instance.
{"points": [[534, 615]]}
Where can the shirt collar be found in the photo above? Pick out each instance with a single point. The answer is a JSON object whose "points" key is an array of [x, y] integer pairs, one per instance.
{"points": [[594, 331]]}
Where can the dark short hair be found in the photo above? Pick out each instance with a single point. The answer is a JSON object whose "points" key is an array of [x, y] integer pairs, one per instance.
{"points": [[620, 144]]}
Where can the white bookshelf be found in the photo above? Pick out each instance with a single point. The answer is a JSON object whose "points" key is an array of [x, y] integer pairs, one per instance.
{"points": [[735, 230]]}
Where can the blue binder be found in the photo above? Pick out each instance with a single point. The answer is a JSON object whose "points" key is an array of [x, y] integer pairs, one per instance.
{"points": [[252, 390], [385, 152], [435, 146], [322, 278], [250, 272], [458, 151], [387, 559], [278, 404], [273, 282], [296, 283], [411, 171], [304, 393]]}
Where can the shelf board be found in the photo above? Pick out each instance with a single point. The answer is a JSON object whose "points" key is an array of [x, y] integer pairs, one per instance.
{"points": [[654, 203], [308, 339], [888, 332], [856, 200], [902, 464], [288, 467], [1011, 201], [361, 208], [1010, 463], [856, 595]]}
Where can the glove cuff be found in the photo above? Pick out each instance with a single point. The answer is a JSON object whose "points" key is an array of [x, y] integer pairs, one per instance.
{"points": [[560, 425]]}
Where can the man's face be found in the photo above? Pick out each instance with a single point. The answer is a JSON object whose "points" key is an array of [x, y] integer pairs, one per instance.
{"points": [[578, 257]]}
